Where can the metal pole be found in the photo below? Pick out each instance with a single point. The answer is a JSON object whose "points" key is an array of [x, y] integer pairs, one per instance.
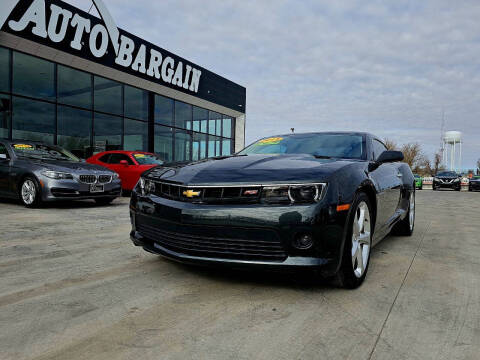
{"points": [[460, 160]]}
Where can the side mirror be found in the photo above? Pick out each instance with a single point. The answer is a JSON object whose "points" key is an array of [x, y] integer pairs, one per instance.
{"points": [[390, 156], [124, 162]]}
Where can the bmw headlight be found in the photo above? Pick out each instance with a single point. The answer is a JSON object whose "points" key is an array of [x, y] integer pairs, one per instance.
{"points": [[293, 194], [145, 187], [57, 175], [115, 176]]}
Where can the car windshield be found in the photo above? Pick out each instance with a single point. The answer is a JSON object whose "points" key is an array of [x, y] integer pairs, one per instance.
{"points": [[349, 146], [147, 159], [43, 152], [447, 173]]}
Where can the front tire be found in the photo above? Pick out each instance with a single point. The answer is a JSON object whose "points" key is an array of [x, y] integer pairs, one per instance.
{"points": [[104, 201], [30, 193], [358, 243]]}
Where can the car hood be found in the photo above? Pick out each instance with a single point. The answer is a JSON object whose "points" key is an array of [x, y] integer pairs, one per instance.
{"points": [[69, 166], [252, 169]]}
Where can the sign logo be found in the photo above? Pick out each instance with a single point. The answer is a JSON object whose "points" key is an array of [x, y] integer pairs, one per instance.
{"points": [[191, 193], [54, 22]]}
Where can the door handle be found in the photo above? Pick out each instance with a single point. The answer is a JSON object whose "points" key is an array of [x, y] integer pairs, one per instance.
{"points": [[399, 175]]}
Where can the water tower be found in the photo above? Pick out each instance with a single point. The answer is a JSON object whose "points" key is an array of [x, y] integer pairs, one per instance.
{"points": [[452, 150]]}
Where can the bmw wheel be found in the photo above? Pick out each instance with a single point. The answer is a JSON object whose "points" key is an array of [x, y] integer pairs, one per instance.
{"points": [[30, 192], [356, 252], [405, 227]]}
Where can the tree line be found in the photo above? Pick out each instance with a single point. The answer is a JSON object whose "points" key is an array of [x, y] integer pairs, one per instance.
{"points": [[416, 158]]}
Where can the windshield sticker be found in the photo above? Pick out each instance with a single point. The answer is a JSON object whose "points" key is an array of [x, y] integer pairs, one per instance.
{"points": [[139, 156], [23, 146], [270, 141]]}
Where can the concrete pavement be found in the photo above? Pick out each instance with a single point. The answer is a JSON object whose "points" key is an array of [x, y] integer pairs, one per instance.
{"points": [[73, 287]]}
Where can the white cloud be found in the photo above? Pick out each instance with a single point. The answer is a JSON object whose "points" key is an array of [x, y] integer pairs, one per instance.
{"points": [[385, 67]]}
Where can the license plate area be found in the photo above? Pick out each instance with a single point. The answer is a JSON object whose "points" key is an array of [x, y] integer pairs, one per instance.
{"points": [[96, 188]]}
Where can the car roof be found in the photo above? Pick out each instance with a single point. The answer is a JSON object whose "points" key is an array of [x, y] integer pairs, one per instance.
{"points": [[329, 132]]}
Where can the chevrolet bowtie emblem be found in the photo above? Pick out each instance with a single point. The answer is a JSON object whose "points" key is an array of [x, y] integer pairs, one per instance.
{"points": [[191, 193]]}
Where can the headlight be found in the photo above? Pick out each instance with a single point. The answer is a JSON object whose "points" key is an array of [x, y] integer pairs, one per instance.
{"points": [[115, 176], [57, 175], [145, 186], [456, 180], [305, 193]]}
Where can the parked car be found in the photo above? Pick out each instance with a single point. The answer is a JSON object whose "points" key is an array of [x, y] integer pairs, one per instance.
{"points": [[35, 172], [129, 165], [474, 183], [315, 201], [418, 181], [447, 179]]}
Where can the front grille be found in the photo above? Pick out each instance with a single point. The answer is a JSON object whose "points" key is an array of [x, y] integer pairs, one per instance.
{"points": [[208, 195], [88, 179], [103, 179], [228, 243]]}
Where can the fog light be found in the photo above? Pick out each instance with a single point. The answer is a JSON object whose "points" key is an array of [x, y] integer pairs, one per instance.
{"points": [[303, 241]]}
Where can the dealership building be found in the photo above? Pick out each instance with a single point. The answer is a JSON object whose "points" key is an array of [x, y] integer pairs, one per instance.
{"points": [[76, 80]]}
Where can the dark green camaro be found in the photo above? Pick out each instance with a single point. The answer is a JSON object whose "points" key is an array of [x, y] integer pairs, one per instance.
{"points": [[316, 201]]}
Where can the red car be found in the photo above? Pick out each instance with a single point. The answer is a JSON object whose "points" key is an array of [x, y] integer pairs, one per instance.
{"points": [[129, 165]]}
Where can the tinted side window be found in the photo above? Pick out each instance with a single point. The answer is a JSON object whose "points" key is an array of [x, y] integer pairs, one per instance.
{"points": [[116, 158], [104, 158], [3, 150], [378, 148]]}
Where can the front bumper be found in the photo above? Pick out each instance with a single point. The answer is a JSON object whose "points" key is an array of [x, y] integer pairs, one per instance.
{"points": [[56, 190], [446, 185], [239, 236], [474, 185]]}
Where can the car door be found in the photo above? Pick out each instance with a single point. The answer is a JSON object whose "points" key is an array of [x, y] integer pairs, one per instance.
{"points": [[4, 169], [114, 163], [388, 180]]}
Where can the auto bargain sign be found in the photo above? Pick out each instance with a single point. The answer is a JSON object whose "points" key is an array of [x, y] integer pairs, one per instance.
{"points": [[60, 25]]}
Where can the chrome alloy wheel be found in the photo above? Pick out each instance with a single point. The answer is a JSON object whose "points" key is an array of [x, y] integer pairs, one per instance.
{"points": [[361, 239], [29, 192], [411, 212]]}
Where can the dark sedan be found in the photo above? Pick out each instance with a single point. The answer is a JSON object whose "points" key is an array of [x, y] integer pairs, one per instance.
{"points": [[316, 201], [448, 180], [36, 173], [474, 184]]}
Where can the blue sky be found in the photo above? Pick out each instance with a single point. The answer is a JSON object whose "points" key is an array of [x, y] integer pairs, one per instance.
{"points": [[388, 67]]}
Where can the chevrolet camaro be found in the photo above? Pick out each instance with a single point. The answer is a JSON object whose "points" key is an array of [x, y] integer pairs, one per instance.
{"points": [[35, 173], [314, 201]]}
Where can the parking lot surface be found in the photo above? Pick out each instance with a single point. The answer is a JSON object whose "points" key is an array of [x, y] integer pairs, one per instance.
{"points": [[72, 286]]}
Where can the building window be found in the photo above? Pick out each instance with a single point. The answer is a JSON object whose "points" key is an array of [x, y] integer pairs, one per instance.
{"points": [[74, 87], [136, 103], [5, 117], [227, 127], [199, 147], [183, 142], [200, 119], [108, 132], [74, 128], [213, 146], [33, 120], [108, 96], [213, 123], [226, 147], [136, 135], [4, 70], [33, 77], [183, 115], [163, 110], [163, 146]]}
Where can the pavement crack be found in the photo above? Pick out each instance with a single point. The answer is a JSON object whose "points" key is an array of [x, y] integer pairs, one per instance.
{"points": [[420, 243]]}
